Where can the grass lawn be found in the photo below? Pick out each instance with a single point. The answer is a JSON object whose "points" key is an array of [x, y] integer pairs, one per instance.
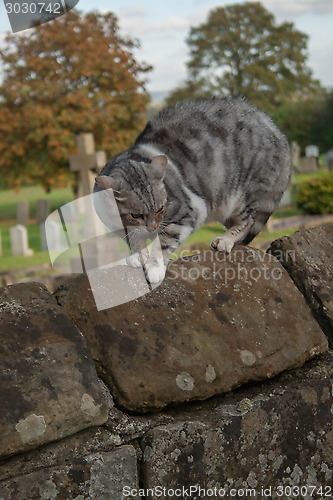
{"points": [[299, 178], [8, 262], [9, 200], [283, 212], [201, 239]]}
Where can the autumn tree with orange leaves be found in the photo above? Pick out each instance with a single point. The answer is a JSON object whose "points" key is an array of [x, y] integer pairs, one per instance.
{"points": [[74, 74]]}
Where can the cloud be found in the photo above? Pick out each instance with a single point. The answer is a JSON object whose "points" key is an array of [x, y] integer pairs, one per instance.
{"points": [[322, 70], [168, 74], [135, 25], [133, 12], [287, 8]]}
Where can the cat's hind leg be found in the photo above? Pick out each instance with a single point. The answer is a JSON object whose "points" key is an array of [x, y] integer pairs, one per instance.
{"points": [[237, 232]]}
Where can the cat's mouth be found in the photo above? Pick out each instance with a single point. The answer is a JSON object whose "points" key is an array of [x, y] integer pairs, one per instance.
{"points": [[143, 231]]}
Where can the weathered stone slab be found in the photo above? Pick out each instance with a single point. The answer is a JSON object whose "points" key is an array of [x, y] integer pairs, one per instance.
{"points": [[67, 450], [101, 476], [267, 441], [42, 211], [19, 241], [48, 384], [22, 213], [215, 323], [308, 165], [307, 255]]}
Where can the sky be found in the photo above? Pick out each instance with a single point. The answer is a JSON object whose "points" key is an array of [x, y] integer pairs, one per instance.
{"points": [[162, 27]]}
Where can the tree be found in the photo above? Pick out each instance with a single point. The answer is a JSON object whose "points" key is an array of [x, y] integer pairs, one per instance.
{"points": [[72, 75], [241, 51], [308, 121]]}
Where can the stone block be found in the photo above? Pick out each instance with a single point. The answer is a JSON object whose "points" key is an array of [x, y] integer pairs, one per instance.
{"points": [[215, 323], [48, 384], [19, 241], [42, 211], [22, 213], [308, 165], [286, 199], [307, 256], [101, 476]]}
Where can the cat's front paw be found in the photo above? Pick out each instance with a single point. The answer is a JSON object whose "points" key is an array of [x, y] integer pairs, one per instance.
{"points": [[136, 260], [222, 244], [155, 270]]}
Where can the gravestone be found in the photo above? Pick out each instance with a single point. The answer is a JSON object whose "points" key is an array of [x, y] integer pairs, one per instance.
{"points": [[43, 210], [308, 165], [19, 241], [53, 240], [295, 154], [286, 199], [87, 160], [312, 151], [329, 160], [22, 213], [84, 164]]}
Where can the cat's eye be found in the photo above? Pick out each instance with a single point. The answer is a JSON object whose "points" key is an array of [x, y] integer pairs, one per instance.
{"points": [[137, 216], [160, 211]]}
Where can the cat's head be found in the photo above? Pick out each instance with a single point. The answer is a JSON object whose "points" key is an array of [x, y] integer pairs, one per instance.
{"points": [[139, 191]]}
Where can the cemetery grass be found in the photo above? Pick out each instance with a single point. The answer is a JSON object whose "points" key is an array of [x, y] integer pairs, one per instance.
{"points": [[9, 200], [199, 240], [299, 178], [9, 262]]}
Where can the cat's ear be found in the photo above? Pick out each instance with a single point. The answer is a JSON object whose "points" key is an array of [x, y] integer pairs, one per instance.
{"points": [[159, 164], [107, 182]]}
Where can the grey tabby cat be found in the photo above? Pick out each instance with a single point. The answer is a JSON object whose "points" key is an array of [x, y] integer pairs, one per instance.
{"points": [[201, 160]]}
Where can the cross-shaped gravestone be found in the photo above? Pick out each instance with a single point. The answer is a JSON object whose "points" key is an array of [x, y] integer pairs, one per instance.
{"points": [[85, 161]]}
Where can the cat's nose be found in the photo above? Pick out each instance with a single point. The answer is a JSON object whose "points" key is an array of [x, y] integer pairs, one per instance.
{"points": [[153, 226]]}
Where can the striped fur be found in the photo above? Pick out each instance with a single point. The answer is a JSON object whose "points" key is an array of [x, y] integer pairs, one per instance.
{"points": [[226, 161]]}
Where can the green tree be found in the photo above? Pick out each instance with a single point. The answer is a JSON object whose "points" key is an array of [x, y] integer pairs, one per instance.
{"points": [[241, 51], [72, 75], [308, 121]]}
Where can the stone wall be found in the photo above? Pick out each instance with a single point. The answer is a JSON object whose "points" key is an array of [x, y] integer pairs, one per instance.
{"points": [[218, 384]]}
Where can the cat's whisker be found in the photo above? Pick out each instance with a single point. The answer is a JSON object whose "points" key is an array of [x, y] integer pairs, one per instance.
{"points": [[130, 237]]}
